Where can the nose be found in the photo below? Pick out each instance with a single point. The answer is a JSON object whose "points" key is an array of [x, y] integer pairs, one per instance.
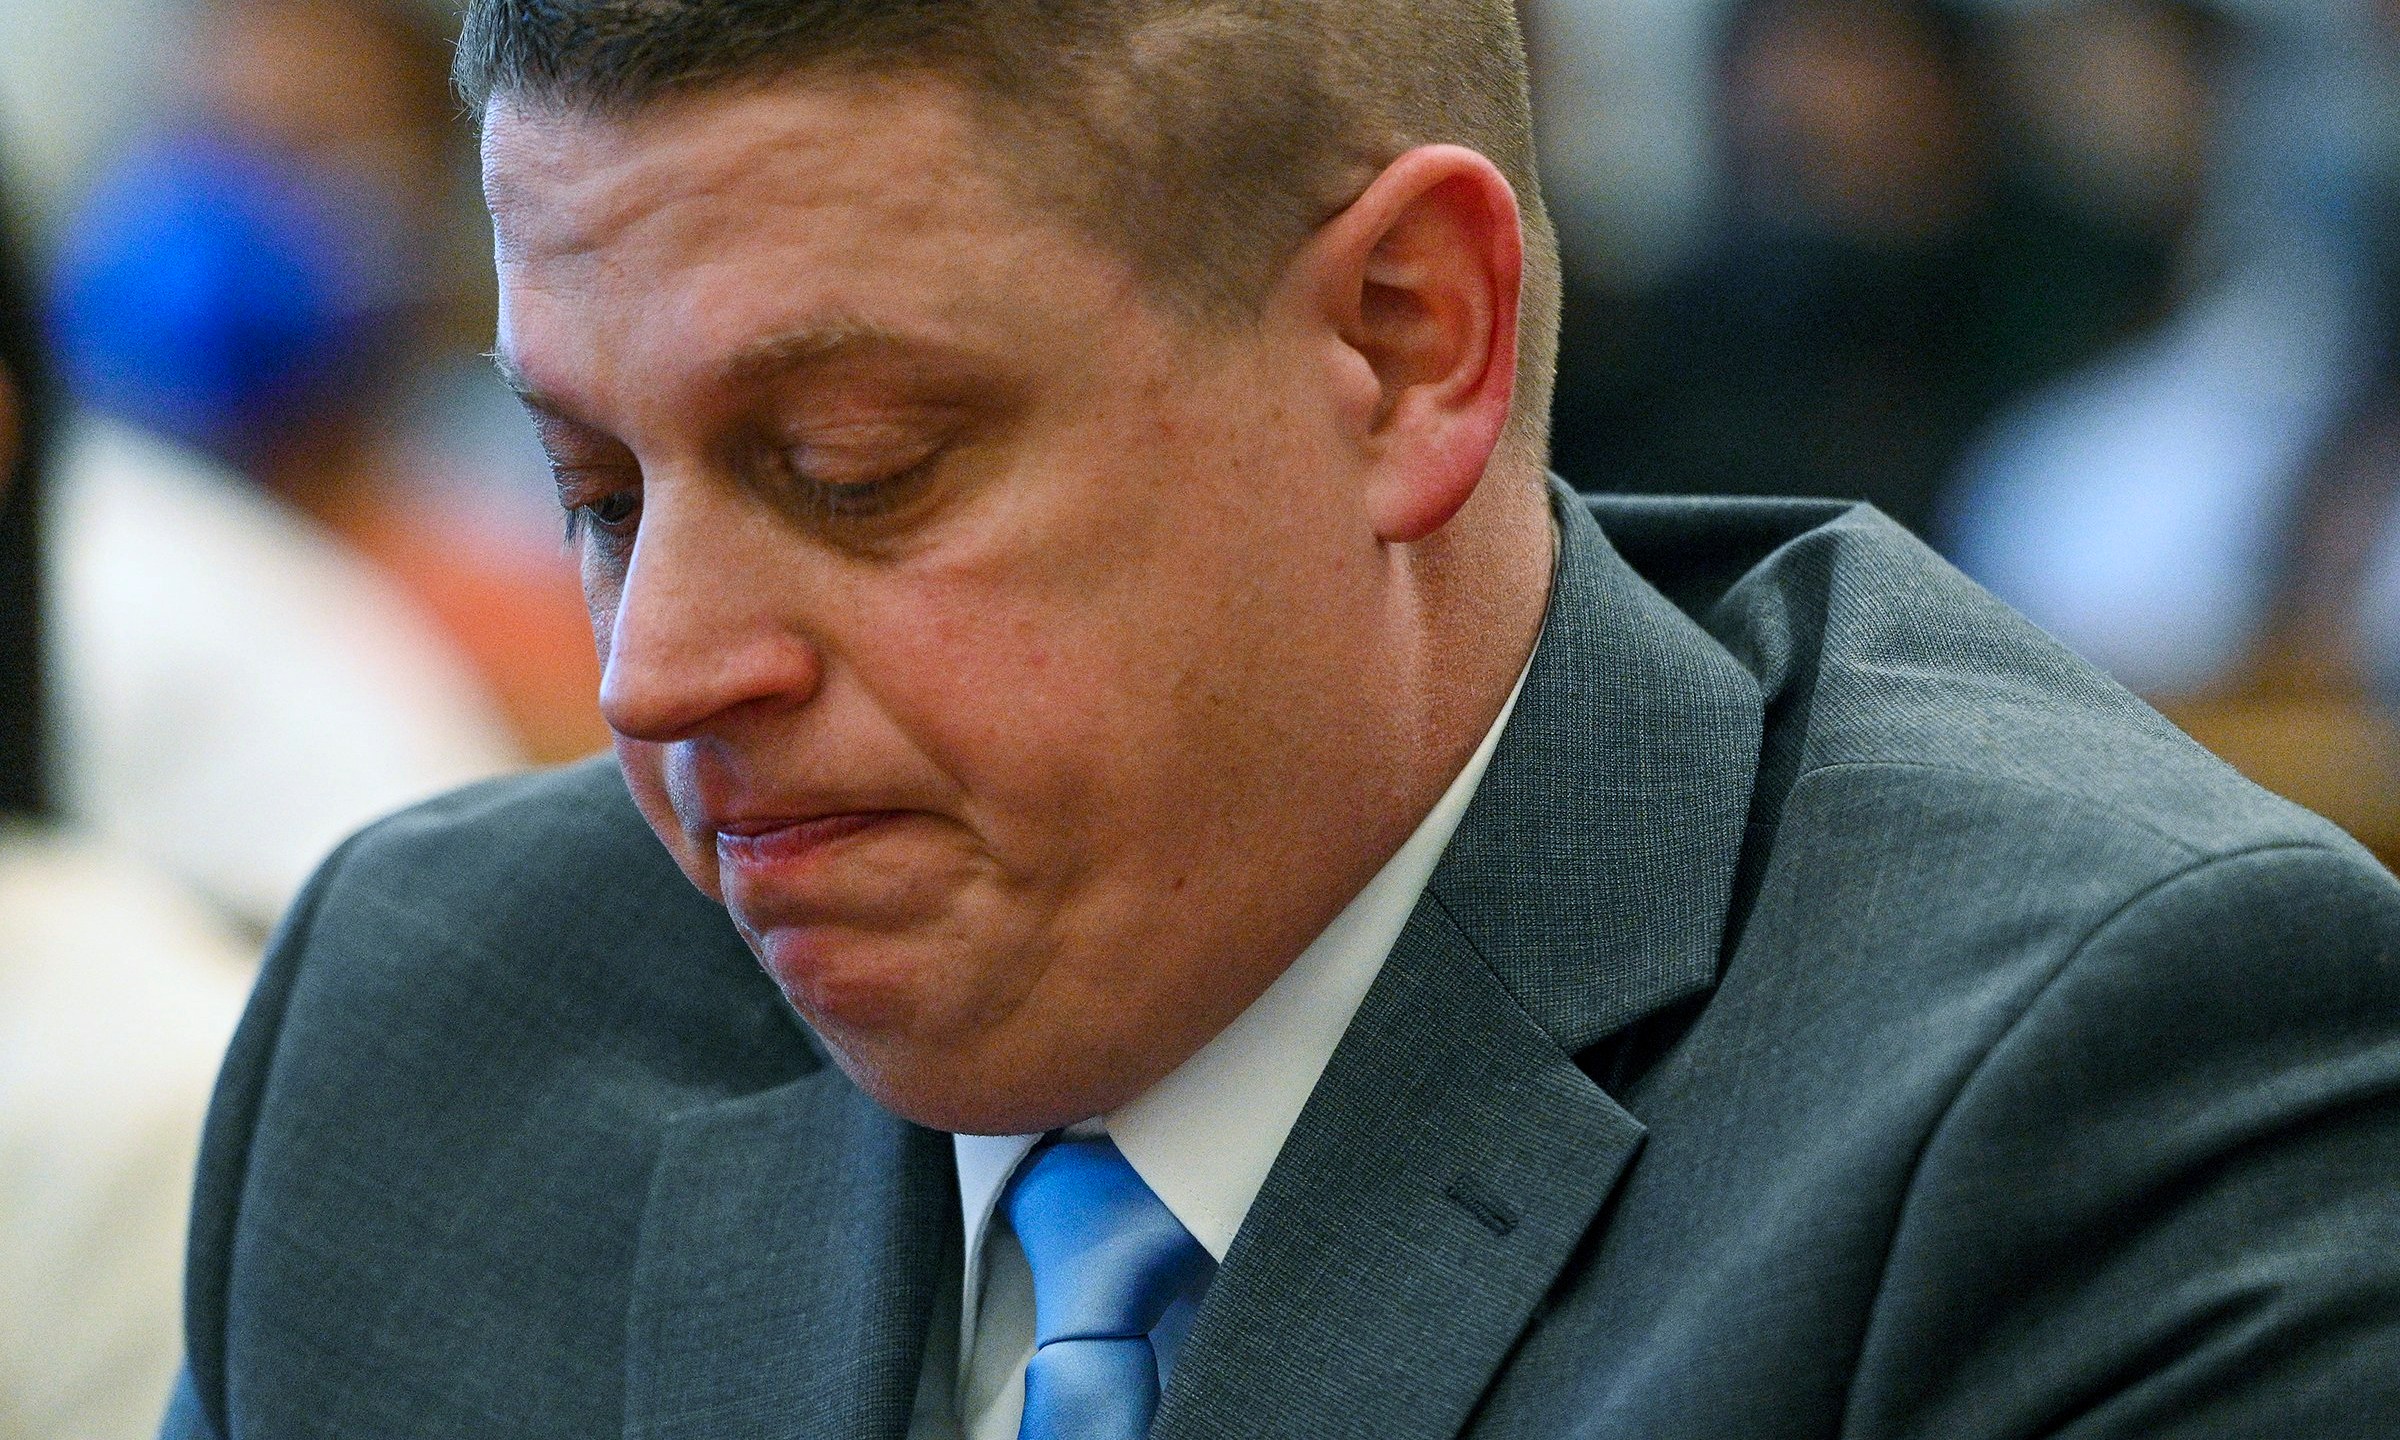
{"points": [[704, 624]]}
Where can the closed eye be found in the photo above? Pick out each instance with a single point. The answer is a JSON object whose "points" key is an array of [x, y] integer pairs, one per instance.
{"points": [[599, 510], [876, 482]]}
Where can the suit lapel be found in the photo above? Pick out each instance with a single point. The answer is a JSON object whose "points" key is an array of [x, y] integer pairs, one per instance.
{"points": [[1447, 1164], [1594, 870], [792, 1248], [1454, 1153]]}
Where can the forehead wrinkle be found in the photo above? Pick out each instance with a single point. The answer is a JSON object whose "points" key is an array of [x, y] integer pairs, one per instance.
{"points": [[538, 170], [579, 183], [568, 188]]}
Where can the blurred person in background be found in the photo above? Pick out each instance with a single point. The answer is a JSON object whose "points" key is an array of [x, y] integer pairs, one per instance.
{"points": [[2132, 507], [234, 690], [1881, 277], [2307, 709], [117, 995], [272, 277], [2079, 286]]}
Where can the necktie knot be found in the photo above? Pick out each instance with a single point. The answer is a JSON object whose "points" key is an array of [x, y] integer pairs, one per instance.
{"points": [[1108, 1259]]}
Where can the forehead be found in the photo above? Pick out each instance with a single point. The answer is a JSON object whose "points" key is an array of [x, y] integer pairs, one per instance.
{"points": [[564, 184], [713, 221]]}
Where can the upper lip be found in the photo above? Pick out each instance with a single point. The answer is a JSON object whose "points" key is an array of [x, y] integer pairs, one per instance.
{"points": [[748, 824], [715, 799], [757, 824]]}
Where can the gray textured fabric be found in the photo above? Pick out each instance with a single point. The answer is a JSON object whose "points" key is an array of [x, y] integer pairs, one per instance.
{"points": [[1840, 1013]]}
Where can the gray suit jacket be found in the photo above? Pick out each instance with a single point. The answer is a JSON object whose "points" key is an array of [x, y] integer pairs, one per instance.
{"points": [[1841, 1013]]}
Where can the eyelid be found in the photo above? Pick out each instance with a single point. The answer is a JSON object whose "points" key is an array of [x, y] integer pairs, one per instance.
{"points": [[580, 485], [559, 435], [583, 524], [846, 451], [880, 493], [879, 427], [565, 472], [853, 466], [851, 482]]}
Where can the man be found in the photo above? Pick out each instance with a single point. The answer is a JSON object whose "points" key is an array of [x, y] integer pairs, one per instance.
{"points": [[1395, 953]]}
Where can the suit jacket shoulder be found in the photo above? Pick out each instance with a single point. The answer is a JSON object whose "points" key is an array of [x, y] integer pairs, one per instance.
{"points": [[1840, 1012], [2043, 1070], [1870, 651], [433, 1136]]}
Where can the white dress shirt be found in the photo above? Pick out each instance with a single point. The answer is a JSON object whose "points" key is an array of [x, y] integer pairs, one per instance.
{"points": [[1202, 1139]]}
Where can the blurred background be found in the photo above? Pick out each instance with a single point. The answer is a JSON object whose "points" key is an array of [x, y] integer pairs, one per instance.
{"points": [[277, 555], [2096, 295], [2102, 297]]}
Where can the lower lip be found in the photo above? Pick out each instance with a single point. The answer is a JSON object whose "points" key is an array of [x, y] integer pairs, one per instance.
{"points": [[802, 840]]}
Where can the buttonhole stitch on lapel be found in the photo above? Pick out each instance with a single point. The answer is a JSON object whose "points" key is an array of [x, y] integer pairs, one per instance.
{"points": [[1476, 1198]]}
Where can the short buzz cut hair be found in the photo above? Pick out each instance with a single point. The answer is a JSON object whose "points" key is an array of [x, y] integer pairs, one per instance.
{"points": [[1203, 139]]}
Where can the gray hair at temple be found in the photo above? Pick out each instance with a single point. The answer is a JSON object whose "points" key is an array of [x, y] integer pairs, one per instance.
{"points": [[1203, 139]]}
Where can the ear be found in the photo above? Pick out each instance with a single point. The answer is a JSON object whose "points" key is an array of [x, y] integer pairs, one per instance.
{"points": [[1419, 281]]}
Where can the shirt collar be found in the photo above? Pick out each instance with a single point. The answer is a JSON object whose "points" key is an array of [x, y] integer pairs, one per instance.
{"points": [[1204, 1138]]}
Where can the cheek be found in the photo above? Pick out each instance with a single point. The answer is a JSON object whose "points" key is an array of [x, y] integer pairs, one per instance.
{"points": [[1069, 728], [1009, 701], [600, 589], [1015, 694]]}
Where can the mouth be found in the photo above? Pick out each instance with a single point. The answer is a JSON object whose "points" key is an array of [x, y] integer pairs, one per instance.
{"points": [[777, 844]]}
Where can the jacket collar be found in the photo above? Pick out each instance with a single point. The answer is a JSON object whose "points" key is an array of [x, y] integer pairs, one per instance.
{"points": [[1594, 870], [793, 1248]]}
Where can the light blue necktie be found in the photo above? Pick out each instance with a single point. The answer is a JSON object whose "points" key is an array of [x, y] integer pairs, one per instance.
{"points": [[1108, 1259]]}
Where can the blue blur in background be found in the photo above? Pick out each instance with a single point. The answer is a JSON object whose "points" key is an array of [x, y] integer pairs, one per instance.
{"points": [[214, 291]]}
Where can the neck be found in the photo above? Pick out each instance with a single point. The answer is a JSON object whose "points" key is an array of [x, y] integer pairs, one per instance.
{"points": [[1480, 587]]}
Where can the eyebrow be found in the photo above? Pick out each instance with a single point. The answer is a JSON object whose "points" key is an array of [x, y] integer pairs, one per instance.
{"points": [[514, 378], [528, 394], [758, 360], [811, 345]]}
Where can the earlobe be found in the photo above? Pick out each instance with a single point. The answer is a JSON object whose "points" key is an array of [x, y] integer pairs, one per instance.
{"points": [[1423, 272]]}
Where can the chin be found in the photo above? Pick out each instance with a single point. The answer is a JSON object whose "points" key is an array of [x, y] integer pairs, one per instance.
{"points": [[845, 984], [946, 1093], [936, 1034], [991, 1081]]}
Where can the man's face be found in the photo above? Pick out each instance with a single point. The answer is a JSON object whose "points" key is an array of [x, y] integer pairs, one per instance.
{"points": [[1001, 650]]}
